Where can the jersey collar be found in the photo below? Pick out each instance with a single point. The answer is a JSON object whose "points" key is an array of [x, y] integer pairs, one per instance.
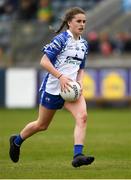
{"points": [[70, 33]]}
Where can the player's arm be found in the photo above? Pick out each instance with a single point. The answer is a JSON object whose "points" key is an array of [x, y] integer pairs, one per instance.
{"points": [[51, 51], [48, 66]]}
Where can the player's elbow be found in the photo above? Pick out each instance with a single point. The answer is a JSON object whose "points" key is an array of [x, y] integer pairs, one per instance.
{"points": [[42, 62]]}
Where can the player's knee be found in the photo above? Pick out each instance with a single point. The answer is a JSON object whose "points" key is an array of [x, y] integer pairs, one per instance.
{"points": [[82, 119], [41, 127]]}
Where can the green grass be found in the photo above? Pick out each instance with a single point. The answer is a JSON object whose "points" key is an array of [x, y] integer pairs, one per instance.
{"points": [[48, 155]]}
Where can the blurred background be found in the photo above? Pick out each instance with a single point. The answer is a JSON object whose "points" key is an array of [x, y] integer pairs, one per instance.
{"points": [[24, 29]]}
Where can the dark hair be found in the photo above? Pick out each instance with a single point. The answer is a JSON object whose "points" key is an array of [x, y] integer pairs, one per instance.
{"points": [[69, 15]]}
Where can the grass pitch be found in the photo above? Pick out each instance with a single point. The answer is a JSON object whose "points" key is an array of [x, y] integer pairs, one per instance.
{"points": [[48, 155]]}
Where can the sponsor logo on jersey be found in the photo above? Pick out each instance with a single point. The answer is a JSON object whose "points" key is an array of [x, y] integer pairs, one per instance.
{"points": [[73, 60]]}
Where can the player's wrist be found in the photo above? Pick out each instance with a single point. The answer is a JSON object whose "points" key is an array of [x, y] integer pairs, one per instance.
{"points": [[60, 76]]}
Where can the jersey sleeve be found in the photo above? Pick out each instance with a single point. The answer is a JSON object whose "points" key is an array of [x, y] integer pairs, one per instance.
{"points": [[82, 66], [54, 48]]}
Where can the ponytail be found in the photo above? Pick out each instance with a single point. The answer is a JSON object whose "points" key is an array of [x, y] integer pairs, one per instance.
{"points": [[61, 27], [69, 15]]}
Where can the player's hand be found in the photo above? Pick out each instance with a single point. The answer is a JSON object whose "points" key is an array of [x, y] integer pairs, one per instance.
{"points": [[64, 83]]}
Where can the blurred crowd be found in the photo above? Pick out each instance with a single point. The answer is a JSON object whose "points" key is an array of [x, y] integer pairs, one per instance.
{"points": [[106, 45], [43, 11], [20, 10], [26, 10]]}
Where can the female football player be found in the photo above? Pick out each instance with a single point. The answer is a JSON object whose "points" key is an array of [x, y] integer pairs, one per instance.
{"points": [[64, 60]]}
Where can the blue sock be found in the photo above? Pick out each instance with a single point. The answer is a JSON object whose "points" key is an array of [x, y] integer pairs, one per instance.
{"points": [[78, 149], [18, 140]]}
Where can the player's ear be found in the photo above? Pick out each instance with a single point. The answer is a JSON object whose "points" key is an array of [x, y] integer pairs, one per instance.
{"points": [[69, 22]]}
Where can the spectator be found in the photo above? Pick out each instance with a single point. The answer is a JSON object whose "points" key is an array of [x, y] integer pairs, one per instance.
{"points": [[2, 4], [7, 9], [44, 13], [27, 10], [93, 42], [105, 44], [118, 43], [2, 10], [127, 41], [11, 7]]}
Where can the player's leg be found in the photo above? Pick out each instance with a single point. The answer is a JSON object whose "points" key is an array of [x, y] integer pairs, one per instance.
{"points": [[44, 118], [42, 122], [48, 105], [79, 112]]}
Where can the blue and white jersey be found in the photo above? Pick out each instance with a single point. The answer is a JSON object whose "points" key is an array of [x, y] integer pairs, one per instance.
{"points": [[67, 55]]}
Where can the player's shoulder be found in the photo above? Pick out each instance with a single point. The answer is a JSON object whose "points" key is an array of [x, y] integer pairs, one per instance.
{"points": [[61, 38], [84, 41]]}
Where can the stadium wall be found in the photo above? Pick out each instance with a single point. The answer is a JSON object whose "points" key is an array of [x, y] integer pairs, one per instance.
{"points": [[19, 86]]}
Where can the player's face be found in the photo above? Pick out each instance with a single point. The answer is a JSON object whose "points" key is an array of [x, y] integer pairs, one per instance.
{"points": [[77, 25]]}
